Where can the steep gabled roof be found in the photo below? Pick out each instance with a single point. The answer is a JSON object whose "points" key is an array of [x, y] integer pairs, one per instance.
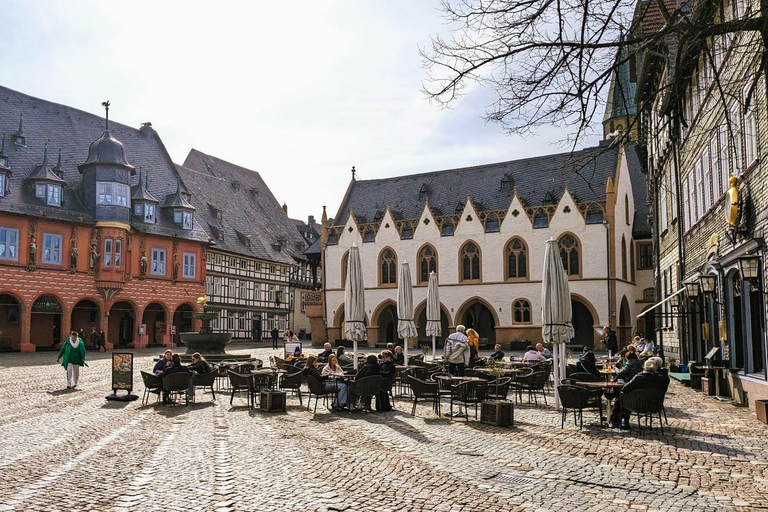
{"points": [[249, 210]]}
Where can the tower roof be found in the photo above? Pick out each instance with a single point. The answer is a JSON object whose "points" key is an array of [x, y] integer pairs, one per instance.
{"points": [[107, 150], [177, 200]]}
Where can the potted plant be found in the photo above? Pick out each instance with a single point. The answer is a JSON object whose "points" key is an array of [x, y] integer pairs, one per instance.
{"points": [[497, 412]]}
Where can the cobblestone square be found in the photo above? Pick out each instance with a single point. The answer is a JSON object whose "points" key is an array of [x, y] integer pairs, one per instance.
{"points": [[67, 450]]}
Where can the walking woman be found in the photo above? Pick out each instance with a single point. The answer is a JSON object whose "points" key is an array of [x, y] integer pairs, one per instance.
{"points": [[72, 356]]}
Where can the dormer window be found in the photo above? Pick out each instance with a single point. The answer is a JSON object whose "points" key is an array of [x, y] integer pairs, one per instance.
{"points": [[423, 193], [378, 216], [2, 184], [459, 208], [184, 219], [406, 233], [447, 228], [507, 183], [149, 213], [369, 235], [540, 220], [110, 193], [54, 195], [40, 190]]}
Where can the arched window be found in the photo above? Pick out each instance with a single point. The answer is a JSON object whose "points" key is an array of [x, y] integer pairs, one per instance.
{"points": [[626, 208], [388, 267], [517, 259], [427, 263], [344, 264], [623, 258], [632, 259], [470, 262], [521, 309], [569, 252]]}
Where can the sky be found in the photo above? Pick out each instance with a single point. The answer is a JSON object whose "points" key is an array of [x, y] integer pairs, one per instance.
{"points": [[298, 91]]}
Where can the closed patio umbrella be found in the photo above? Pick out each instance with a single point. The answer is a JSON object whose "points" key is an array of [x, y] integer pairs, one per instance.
{"points": [[354, 301], [556, 313], [434, 327], [405, 326]]}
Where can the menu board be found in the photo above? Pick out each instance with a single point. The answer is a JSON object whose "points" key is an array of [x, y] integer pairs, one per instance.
{"points": [[122, 371]]}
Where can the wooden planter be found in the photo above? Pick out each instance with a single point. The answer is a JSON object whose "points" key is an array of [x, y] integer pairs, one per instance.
{"points": [[761, 409], [271, 401], [499, 413]]}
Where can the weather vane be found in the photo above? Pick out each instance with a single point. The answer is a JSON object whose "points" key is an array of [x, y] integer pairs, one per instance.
{"points": [[106, 105]]}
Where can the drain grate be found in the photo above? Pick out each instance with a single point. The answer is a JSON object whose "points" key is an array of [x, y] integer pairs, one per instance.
{"points": [[514, 479]]}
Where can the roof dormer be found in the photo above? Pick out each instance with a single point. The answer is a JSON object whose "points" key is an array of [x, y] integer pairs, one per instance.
{"points": [[144, 203], [5, 170], [181, 210], [18, 136], [47, 185]]}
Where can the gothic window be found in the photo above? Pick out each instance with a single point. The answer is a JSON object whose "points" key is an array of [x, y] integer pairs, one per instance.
{"points": [[623, 258], [427, 263], [388, 267], [344, 263], [522, 311], [569, 252], [470, 262], [517, 259]]}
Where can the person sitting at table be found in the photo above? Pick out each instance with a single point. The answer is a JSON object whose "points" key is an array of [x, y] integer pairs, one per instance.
{"points": [[541, 349], [323, 356], [498, 355], [387, 370], [371, 367], [343, 358], [649, 378], [332, 368], [473, 340], [163, 363], [199, 366], [297, 355], [532, 355], [632, 368], [175, 367], [648, 348], [330, 384], [399, 357], [391, 347], [587, 362]]}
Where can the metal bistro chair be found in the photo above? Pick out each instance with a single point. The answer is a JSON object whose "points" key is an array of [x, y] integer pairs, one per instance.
{"points": [[152, 384], [423, 390], [646, 402], [574, 398], [174, 385], [317, 389], [260, 383], [471, 392], [205, 380], [365, 388], [238, 382], [499, 389], [293, 382], [443, 385], [533, 384]]}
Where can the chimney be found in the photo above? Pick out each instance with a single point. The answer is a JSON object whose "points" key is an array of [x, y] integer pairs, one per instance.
{"points": [[311, 220], [285, 208]]}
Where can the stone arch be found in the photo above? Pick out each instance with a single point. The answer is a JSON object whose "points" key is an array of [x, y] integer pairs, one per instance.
{"points": [[379, 309], [420, 319], [422, 307], [584, 325], [12, 309], [48, 322], [183, 320], [343, 269], [155, 316], [484, 331], [85, 316], [121, 325], [625, 321], [338, 318]]}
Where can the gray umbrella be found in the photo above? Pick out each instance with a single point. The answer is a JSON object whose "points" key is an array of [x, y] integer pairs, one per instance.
{"points": [[434, 327], [354, 301], [556, 313], [405, 326]]}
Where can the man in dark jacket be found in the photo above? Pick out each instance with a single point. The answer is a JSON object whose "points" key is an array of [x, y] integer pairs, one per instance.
{"points": [[633, 367], [388, 371], [587, 362], [611, 343], [371, 367], [649, 378]]}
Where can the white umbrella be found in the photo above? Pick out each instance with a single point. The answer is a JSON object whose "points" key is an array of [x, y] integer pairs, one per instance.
{"points": [[556, 309], [405, 326], [354, 301], [434, 327]]}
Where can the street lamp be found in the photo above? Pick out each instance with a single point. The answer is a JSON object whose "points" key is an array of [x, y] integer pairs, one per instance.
{"points": [[692, 288], [674, 301], [749, 265], [708, 283]]}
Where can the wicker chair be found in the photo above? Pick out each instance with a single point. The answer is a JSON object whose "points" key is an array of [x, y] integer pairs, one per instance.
{"points": [[443, 385], [646, 402], [584, 377], [366, 388], [258, 363], [293, 382], [533, 384], [174, 385], [260, 383], [317, 389], [574, 398], [387, 383], [471, 392], [152, 384], [425, 391], [499, 389], [469, 372], [238, 382], [204, 380]]}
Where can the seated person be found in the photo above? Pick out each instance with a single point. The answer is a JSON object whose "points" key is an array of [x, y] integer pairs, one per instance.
{"points": [[388, 371], [632, 368], [532, 355], [199, 366], [498, 355], [310, 370], [541, 349], [622, 362], [371, 367], [341, 355], [175, 367], [649, 378], [327, 351], [163, 363], [296, 356], [390, 346], [399, 357], [587, 362], [648, 348], [332, 369]]}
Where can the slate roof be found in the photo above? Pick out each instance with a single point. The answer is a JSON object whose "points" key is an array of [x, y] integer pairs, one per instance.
{"points": [[585, 172], [641, 227], [73, 131], [248, 209]]}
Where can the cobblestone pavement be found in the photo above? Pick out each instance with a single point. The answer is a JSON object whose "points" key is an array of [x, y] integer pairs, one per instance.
{"points": [[72, 450]]}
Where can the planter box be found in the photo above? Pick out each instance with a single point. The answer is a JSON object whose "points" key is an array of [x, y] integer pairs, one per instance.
{"points": [[501, 414], [761, 409], [708, 385], [270, 401]]}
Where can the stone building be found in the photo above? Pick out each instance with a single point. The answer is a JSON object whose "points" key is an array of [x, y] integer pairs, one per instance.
{"points": [[483, 230], [255, 263], [95, 231], [707, 127]]}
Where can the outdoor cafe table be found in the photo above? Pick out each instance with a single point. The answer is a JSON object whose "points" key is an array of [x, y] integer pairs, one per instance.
{"points": [[605, 386]]}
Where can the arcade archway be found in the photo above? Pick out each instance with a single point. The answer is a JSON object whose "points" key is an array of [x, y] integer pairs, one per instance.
{"points": [[155, 320], [183, 321], [10, 322], [45, 328], [479, 317], [86, 315], [122, 321], [583, 324]]}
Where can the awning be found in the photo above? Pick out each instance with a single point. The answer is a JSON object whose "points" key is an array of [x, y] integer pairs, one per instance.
{"points": [[660, 303]]}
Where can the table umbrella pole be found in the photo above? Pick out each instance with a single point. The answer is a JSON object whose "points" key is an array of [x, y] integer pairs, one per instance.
{"points": [[556, 356], [354, 349], [434, 349]]}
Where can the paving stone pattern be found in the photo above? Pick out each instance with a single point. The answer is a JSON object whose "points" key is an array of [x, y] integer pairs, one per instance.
{"points": [[68, 450]]}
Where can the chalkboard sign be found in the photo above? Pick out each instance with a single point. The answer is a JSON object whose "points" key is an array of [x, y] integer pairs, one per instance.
{"points": [[122, 371]]}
